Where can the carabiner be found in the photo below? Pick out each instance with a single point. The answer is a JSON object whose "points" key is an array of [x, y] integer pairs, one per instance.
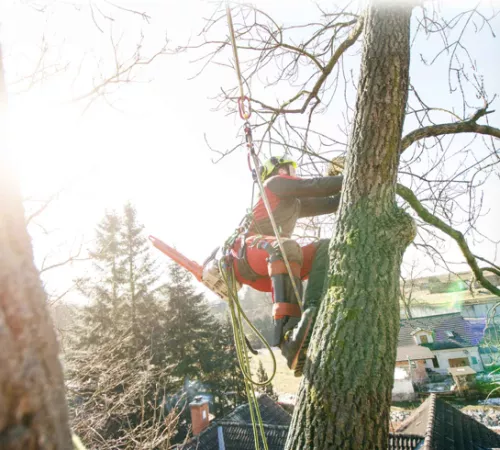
{"points": [[244, 110]]}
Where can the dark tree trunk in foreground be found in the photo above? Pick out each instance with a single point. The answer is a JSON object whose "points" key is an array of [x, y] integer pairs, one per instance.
{"points": [[344, 399], [33, 411]]}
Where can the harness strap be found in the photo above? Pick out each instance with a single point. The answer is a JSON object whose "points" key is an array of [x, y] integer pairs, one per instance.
{"points": [[281, 310], [278, 267]]}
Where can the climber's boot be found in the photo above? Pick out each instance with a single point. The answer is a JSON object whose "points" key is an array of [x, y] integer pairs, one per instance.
{"points": [[295, 342], [292, 331], [286, 309]]}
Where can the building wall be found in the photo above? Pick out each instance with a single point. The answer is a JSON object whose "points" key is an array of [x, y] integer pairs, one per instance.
{"points": [[418, 372], [444, 355], [402, 390], [476, 311]]}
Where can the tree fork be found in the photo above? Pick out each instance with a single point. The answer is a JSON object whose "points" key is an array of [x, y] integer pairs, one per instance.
{"points": [[344, 398]]}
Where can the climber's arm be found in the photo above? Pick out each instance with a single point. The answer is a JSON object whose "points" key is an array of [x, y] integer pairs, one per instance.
{"points": [[318, 206], [304, 188]]}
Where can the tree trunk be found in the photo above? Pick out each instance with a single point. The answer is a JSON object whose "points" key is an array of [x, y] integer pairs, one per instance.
{"points": [[33, 411], [344, 399]]}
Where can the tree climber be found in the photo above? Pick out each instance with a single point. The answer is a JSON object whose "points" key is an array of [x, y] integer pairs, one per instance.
{"points": [[257, 259]]}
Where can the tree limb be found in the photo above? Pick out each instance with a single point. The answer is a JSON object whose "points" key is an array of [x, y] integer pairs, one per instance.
{"points": [[491, 269], [326, 71], [466, 126], [406, 194]]}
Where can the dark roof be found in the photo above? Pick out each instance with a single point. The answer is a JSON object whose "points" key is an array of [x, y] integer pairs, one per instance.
{"points": [[404, 441], [435, 425], [270, 411], [444, 427], [237, 431], [463, 334], [477, 327], [237, 436]]}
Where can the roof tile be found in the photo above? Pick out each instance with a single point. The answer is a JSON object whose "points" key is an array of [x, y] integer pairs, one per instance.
{"points": [[440, 325]]}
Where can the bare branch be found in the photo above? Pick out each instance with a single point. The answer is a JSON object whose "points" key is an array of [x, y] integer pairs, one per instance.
{"points": [[46, 203], [467, 126], [313, 94], [435, 221]]}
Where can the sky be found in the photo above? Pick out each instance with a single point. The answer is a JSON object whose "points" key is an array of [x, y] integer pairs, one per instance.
{"points": [[147, 141]]}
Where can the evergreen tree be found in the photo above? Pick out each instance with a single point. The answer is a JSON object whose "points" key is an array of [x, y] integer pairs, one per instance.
{"points": [[123, 286], [103, 287], [141, 281], [262, 376], [189, 328], [120, 337], [225, 377]]}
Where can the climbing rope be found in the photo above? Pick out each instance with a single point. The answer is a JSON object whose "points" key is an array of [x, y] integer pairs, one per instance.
{"points": [[227, 270], [237, 318], [245, 113]]}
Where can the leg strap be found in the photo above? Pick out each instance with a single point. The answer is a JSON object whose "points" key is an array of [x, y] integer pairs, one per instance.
{"points": [[278, 267], [281, 310]]}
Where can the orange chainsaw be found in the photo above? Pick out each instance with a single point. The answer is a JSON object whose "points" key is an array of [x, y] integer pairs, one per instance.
{"points": [[209, 274]]}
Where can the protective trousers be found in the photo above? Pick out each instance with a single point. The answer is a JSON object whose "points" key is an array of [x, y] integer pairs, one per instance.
{"points": [[262, 266]]}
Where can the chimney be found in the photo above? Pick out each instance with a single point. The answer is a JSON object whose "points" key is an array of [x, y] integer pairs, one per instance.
{"points": [[199, 414]]}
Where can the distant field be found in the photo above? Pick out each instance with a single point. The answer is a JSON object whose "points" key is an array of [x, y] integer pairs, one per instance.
{"points": [[284, 381]]}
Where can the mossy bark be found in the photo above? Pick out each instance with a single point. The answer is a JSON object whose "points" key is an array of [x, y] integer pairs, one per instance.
{"points": [[344, 399]]}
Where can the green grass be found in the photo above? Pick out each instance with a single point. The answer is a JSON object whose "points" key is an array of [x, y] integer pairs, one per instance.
{"points": [[284, 382]]}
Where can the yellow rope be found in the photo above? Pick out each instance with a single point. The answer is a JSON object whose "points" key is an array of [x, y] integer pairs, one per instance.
{"points": [[237, 318], [237, 314], [255, 161], [235, 50]]}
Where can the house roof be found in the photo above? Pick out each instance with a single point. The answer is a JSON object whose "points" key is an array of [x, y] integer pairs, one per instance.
{"points": [[462, 334], [237, 436], [460, 371], [270, 411], [435, 425], [477, 326], [444, 427], [404, 441], [413, 352], [237, 432]]}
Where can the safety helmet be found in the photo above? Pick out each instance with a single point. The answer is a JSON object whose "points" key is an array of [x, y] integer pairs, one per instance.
{"points": [[273, 163]]}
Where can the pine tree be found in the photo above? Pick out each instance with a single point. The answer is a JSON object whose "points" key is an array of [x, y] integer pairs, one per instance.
{"points": [[103, 287], [262, 377], [225, 378], [121, 355], [189, 328], [141, 281], [123, 286]]}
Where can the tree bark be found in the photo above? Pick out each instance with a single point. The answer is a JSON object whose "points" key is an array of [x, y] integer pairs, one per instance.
{"points": [[344, 399], [33, 410]]}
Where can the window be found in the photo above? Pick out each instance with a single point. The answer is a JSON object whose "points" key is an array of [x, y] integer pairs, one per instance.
{"points": [[424, 339], [435, 362], [473, 359]]}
